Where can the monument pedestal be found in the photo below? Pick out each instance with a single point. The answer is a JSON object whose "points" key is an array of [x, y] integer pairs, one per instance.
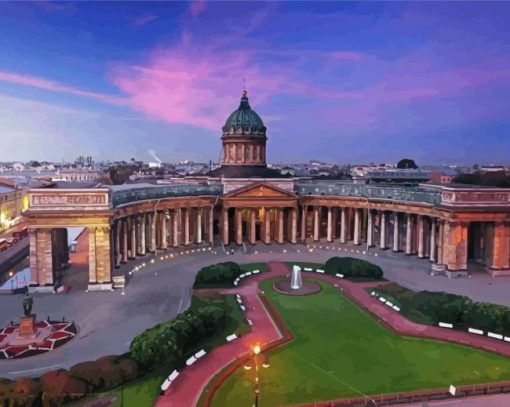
{"points": [[27, 327]]}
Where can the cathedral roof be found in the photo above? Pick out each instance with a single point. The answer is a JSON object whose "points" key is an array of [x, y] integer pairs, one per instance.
{"points": [[244, 120]]}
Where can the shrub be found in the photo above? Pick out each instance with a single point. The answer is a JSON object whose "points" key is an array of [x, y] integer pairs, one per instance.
{"points": [[221, 274], [106, 372], [23, 392], [172, 341], [353, 268], [59, 386]]}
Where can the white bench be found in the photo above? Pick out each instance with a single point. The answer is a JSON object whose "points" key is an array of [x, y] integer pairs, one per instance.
{"points": [[342, 276], [475, 331], [396, 308], [168, 381], [319, 271], [230, 338], [445, 325], [191, 360], [389, 304], [239, 300], [247, 274], [382, 299], [242, 307], [495, 336], [256, 271], [200, 353], [308, 269]]}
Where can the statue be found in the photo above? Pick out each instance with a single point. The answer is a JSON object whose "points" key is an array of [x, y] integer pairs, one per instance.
{"points": [[28, 301]]}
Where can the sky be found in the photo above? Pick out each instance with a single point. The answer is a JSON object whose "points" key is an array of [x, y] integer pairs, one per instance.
{"points": [[343, 82]]}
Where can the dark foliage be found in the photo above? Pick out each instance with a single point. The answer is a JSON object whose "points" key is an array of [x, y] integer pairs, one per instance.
{"points": [[221, 274], [353, 268]]}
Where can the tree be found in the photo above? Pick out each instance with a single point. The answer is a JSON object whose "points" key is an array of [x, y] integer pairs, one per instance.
{"points": [[407, 163]]}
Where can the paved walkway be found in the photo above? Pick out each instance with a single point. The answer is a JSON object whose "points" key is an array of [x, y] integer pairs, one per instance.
{"points": [[188, 387], [186, 390]]}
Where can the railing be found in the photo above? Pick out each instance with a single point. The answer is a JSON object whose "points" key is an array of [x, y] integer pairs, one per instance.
{"points": [[390, 192], [124, 195]]}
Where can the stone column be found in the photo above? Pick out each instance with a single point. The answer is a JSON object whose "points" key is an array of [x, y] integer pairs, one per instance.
{"points": [[370, 228], [164, 232], [330, 225], [199, 225], [124, 241], [409, 234], [152, 220], [99, 258], [134, 243], [117, 243], [225, 226], [293, 235], [432, 240], [382, 237], [303, 224], [440, 242], [343, 226], [316, 231], [280, 225], [253, 226], [211, 225], [395, 232], [186, 226], [175, 227], [143, 244], [420, 237], [357, 222], [267, 226], [500, 249], [455, 245], [239, 226], [41, 258], [92, 255]]}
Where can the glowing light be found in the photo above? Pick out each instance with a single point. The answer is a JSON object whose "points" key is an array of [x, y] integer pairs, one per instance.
{"points": [[256, 349]]}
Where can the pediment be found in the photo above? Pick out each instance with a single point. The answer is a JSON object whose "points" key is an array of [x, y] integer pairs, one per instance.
{"points": [[259, 190]]}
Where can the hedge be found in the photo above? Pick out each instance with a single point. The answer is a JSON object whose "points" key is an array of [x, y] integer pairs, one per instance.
{"points": [[451, 308], [353, 268], [62, 386], [171, 342], [221, 274]]}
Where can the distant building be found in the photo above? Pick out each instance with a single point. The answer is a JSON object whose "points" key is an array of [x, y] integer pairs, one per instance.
{"points": [[10, 205], [397, 176], [79, 175], [440, 177], [491, 168]]}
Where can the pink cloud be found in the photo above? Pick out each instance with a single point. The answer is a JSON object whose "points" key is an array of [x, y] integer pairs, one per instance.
{"points": [[57, 87], [144, 19], [197, 7], [195, 86]]}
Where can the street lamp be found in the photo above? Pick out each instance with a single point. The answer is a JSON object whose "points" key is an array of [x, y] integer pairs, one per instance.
{"points": [[257, 364]]}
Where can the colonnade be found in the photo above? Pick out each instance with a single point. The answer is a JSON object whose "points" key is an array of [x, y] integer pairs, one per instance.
{"points": [[136, 235], [442, 241]]}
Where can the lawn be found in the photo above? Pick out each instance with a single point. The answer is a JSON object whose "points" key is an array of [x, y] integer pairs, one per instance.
{"points": [[144, 391], [341, 351]]}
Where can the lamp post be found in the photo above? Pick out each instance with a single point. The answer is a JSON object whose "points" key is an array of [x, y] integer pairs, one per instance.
{"points": [[256, 363]]}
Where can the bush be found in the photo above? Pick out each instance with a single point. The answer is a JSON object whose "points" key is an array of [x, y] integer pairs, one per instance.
{"points": [[171, 342], [23, 392], [106, 372], [221, 274], [353, 268], [59, 387]]}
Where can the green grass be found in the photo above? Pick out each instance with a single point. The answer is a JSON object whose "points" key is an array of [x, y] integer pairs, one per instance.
{"points": [[341, 351], [145, 390]]}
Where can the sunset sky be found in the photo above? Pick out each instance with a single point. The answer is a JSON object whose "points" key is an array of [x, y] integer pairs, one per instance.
{"points": [[337, 81]]}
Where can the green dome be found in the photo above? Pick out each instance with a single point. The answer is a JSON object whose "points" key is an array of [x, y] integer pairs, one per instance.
{"points": [[244, 120]]}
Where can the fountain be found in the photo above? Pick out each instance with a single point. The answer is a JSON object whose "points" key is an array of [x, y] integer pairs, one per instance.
{"points": [[295, 285], [296, 282]]}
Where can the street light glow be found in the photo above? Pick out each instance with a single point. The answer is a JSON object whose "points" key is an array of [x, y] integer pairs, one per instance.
{"points": [[256, 349]]}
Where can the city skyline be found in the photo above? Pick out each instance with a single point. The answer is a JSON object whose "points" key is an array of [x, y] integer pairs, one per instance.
{"points": [[341, 82]]}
